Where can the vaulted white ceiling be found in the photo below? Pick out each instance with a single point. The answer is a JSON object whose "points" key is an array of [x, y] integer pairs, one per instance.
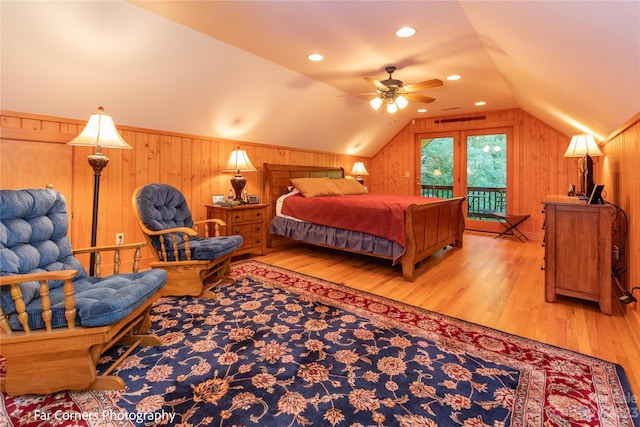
{"points": [[238, 69]]}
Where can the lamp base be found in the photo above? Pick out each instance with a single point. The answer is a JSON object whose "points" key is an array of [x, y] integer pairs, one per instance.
{"points": [[238, 182], [98, 161]]}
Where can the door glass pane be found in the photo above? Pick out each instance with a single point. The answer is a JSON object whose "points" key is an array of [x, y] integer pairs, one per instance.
{"points": [[486, 176], [436, 167]]}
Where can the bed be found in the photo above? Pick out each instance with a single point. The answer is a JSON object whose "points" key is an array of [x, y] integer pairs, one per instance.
{"points": [[429, 225]]}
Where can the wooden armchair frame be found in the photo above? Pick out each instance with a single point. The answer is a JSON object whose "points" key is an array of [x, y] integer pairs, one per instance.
{"points": [[189, 277], [54, 359]]}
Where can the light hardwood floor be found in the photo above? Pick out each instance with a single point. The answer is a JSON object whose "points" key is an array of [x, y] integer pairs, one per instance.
{"points": [[493, 282]]}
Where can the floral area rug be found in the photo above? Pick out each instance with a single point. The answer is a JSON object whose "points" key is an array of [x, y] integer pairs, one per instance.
{"points": [[279, 348]]}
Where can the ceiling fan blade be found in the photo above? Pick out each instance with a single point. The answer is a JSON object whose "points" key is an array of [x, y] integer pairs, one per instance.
{"points": [[419, 98], [359, 94], [423, 85], [376, 83]]}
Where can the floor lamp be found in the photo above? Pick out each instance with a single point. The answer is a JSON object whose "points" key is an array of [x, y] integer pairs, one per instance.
{"points": [[100, 132]]}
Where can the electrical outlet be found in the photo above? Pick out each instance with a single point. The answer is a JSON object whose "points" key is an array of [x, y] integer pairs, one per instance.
{"points": [[119, 238]]}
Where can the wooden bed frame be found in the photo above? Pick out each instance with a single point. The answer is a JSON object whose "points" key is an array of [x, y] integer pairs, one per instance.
{"points": [[429, 227]]}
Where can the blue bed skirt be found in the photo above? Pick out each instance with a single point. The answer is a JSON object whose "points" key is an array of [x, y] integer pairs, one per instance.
{"points": [[336, 237]]}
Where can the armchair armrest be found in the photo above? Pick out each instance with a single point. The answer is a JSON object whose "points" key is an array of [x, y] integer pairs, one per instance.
{"points": [[217, 223], [42, 278], [172, 232], [116, 249], [188, 231]]}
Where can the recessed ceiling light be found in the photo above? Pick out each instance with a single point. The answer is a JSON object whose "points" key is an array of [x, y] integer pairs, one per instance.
{"points": [[405, 32], [422, 110], [315, 57], [454, 77], [480, 103]]}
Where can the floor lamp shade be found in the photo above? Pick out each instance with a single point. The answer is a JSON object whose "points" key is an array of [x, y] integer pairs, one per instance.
{"points": [[239, 162], [100, 131]]}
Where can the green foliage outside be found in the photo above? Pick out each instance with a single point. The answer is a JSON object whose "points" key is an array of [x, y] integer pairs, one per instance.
{"points": [[486, 161]]}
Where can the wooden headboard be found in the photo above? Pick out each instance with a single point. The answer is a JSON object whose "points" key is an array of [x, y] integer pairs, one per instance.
{"points": [[278, 178]]}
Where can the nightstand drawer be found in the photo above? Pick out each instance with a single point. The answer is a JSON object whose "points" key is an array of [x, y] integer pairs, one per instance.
{"points": [[258, 240], [247, 216], [242, 216], [252, 234], [248, 221], [258, 214]]}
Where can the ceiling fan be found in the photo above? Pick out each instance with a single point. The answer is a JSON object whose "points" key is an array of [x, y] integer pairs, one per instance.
{"points": [[395, 94]]}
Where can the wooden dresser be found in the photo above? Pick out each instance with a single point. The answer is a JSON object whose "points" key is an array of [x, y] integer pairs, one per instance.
{"points": [[578, 250], [247, 221]]}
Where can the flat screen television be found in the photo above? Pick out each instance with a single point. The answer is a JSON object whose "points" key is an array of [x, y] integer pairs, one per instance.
{"points": [[596, 195]]}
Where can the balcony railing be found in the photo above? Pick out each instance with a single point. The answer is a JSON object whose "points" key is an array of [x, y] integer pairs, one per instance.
{"points": [[481, 201]]}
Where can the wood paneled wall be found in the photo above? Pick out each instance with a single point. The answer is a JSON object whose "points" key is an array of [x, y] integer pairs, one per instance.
{"points": [[34, 153], [538, 168], [621, 171]]}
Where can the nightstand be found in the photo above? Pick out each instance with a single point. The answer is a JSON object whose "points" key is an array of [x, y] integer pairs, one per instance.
{"points": [[247, 221]]}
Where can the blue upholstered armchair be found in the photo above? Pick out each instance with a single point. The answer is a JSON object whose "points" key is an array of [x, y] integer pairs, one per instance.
{"points": [[195, 264], [55, 320]]}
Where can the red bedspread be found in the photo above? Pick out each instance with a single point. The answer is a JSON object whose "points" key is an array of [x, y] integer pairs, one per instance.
{"points": [[377, 214]]}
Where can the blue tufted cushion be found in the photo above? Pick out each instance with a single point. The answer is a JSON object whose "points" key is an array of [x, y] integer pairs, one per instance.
{"points": [[33, 238], [100, 301], [214, 247], [162, 206]]}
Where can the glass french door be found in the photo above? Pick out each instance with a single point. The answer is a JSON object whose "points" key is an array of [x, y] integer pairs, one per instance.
{"points": [[471, 164]]}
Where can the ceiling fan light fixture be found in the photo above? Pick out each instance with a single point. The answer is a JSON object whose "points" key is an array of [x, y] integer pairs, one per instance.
{"points": [[396, 94], [376, 103], [401, 102]]}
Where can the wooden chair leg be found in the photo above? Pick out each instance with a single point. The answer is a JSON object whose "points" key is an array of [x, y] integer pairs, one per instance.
{"points": [[216, 275]]}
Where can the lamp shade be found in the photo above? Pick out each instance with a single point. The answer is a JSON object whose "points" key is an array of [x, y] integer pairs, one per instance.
{"points": [[582, 145], [376, 103], [359, 169], [239, 161], [100, 131], [401, 102]]}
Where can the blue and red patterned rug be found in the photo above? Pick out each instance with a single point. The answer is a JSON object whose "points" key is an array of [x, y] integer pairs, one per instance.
{"points": [[279, 348]]}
